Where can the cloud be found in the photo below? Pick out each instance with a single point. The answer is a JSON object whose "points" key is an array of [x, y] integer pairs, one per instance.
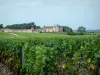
{"points": [[32, 3]]}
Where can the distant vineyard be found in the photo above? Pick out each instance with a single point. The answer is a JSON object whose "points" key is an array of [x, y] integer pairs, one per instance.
{"points": [[52, 56]]}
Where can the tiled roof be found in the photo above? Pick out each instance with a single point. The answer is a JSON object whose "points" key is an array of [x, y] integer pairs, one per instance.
{"points": [[39, 29], [48, 26]]}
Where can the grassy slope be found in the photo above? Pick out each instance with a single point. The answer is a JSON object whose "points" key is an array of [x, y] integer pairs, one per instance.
{"points": [[50, 35], [8, 35], [40, 35]]}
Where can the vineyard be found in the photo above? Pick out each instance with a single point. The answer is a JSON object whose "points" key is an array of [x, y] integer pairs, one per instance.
{"points": [[51, 56]]}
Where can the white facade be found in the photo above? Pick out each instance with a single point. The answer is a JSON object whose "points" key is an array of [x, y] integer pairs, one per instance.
{"points": [[53, 28]]}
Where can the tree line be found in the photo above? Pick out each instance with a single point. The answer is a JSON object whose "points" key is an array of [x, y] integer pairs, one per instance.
{"points": [[80, 31], [1, 26], [23, 26]]}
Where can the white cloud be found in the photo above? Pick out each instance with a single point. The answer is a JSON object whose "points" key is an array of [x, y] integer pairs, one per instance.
{"points": [[32, 3]]}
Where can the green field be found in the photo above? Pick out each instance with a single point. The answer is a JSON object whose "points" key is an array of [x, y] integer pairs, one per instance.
{"points": [[41, 35], [9, 36], [6, 35]]}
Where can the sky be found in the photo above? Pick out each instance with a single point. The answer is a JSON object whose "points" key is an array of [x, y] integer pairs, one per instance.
{"points": [[72, 13]]}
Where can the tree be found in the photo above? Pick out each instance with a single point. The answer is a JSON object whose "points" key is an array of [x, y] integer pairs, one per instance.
{"points": [[1, 26], [38, 27], [69, 31], [81, 30], [22, 26], [64, 28]]}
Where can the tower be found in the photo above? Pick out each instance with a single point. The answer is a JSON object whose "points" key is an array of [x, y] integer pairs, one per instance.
{"points": [[32, 28]]}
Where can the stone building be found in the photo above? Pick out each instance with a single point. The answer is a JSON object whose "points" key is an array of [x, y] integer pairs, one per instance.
{"points": [[19, 30], [1, 30], [56, 28]]}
